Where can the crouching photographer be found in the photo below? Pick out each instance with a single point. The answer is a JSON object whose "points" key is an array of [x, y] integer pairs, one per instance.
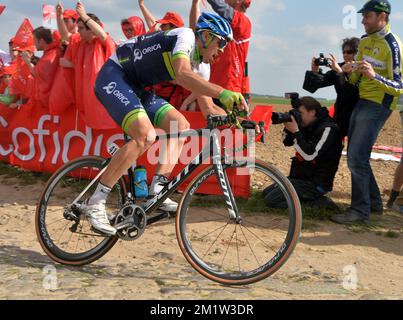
{"points": [[347, 94], [318, 144]]}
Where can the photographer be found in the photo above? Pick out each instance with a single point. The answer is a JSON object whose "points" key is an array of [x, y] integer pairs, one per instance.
{"points": [[347, 94], [318, 144], [378, 73]]}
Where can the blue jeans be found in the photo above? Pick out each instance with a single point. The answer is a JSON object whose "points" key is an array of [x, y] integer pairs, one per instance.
{"points": [[366, 122]]}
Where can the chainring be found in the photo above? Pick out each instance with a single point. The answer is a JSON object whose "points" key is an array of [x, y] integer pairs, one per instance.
{"points": [[130, 222]]}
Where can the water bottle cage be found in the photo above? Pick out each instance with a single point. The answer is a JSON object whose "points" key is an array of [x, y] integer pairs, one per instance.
{"points": [[141, 185]]}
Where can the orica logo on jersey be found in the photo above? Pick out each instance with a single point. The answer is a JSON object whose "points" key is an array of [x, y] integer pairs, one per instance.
{"points": [[137, 55], [111, 89], [152, 48]]}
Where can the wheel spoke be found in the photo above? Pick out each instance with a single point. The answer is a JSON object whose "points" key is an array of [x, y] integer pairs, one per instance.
{"points": [[215, 240], [267, 245], [247, 241], [229, 244], [67, 224], [206, 235]]}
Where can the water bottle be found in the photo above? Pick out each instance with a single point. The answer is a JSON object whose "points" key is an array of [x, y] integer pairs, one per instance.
{"points": [[140, 182]]}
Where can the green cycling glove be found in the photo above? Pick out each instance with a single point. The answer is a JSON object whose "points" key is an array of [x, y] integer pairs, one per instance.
{"points": [[229, 99]]}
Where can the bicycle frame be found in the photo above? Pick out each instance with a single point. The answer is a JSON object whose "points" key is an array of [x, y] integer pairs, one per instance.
{"points": [[214, 145]]}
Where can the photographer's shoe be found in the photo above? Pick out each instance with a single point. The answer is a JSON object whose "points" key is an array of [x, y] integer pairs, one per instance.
{"points": [[98, 218], [349, 218]]}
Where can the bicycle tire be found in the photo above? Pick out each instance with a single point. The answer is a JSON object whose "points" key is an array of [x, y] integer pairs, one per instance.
{"points": [[47, 243], [184, 236]]}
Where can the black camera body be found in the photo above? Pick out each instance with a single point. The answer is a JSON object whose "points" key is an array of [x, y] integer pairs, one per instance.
{"points": [[322, 61], [279, 118]]}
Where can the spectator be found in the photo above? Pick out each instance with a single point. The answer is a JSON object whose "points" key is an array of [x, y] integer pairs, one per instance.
{"points": [[232, 63], [5, 76], [21, 84], [62, 95], [133, 27], [45, 70], [318, 144], [170, 21], [7, 58], [378, 73], [347, 94], [87, 53]]}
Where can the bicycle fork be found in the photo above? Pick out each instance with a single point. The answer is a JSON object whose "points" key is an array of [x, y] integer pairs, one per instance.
{"points": [[224, 182]]}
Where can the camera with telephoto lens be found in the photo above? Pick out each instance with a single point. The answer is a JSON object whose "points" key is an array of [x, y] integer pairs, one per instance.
{"points": [[322, 61], [279, 118]]}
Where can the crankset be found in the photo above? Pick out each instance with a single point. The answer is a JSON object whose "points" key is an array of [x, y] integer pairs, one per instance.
{"points": [[130, 222]]}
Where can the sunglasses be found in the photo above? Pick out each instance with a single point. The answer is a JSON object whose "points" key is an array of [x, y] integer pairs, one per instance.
{"points": [[348, 51], [222, 42]]}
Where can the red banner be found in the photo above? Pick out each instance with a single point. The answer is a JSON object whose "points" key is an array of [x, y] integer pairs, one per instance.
{"points": [[24, 38], [33, 139], [2, 8]]}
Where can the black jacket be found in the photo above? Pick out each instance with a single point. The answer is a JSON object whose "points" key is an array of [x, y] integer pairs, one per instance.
{"points": [[347, 94], [319, 148]]}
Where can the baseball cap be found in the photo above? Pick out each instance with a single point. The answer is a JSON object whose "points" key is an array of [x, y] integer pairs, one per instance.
{"points": [[70, 13], [247, 3], [377, 6], [173, 18]]}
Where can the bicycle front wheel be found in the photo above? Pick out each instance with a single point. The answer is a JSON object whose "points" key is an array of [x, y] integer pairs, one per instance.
{"points": [[238, 253], [72, 241]]}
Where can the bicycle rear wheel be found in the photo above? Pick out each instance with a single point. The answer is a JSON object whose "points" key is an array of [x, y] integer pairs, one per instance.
{"points": [[238, 253], [73, 242]]}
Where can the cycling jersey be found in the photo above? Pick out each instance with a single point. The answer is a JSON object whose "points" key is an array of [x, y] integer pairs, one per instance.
{"points": [[383, 50], [139, 63], [147, 60]]}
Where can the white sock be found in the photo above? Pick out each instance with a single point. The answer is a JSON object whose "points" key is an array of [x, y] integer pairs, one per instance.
{"points": [[100, 194], [156, 184]]}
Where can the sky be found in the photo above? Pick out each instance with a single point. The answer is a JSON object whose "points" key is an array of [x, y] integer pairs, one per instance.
{"points": [[286, 33]]}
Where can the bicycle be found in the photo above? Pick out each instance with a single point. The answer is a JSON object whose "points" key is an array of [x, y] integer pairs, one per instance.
{"points": [[218, 241]]}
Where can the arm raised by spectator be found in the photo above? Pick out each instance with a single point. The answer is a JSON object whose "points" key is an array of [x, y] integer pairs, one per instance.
{"points": [[148, 16], [222, 8], [91, 24], [64, 33], [194, 14]]}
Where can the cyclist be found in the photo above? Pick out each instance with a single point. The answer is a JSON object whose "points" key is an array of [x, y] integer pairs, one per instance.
{"points": [[144, 61]]}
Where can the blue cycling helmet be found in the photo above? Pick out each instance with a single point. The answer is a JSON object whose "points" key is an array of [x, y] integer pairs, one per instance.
{"points": [[215, 24]]}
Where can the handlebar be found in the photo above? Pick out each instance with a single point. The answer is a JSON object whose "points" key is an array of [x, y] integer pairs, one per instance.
{"points": [[214, 122]]}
